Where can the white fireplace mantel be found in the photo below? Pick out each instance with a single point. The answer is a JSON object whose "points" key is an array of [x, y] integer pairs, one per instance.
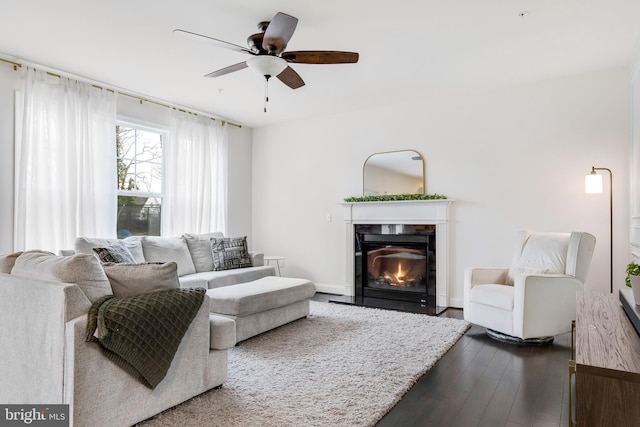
{"points": [[419, 212]]}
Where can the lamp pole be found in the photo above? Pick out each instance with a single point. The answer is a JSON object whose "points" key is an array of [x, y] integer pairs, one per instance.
{"points": [[593, 171]]}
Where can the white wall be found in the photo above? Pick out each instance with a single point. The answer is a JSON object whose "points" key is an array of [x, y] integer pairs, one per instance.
{"points": [[239, 176], [512, 158]]}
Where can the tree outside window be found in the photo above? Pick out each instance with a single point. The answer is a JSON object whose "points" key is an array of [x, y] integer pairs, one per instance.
{"points": [[140, 189]]}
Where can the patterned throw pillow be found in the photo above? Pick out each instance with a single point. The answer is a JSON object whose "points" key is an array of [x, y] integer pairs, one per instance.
{"points": [[118, 253], [229, 253]]}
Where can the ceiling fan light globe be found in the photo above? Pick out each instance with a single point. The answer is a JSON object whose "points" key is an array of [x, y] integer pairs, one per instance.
{"points": [[267, 65]]}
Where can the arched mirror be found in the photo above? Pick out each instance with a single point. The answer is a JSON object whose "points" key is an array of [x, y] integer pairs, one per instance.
{"points": [[393, 172]]}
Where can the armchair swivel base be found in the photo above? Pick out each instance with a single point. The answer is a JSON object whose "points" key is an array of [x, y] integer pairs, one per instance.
{"points": [[499, 336]]}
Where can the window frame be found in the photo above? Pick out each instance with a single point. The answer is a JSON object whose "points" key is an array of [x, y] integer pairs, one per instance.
{"points": [[163, 131]]}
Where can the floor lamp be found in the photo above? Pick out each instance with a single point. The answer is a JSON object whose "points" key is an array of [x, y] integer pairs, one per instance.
{"points": [[593, 184]]}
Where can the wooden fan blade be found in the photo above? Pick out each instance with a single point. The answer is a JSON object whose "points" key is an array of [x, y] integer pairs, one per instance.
{"points": [[291, 78], [219, 43], [279, 32], [320, 57], [227, 70]]}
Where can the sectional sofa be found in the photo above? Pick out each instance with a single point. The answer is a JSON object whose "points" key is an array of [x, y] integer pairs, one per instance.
{"points": [[44, 303]]}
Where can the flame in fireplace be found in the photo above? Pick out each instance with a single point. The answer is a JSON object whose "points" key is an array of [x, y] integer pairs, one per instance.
{"points": [[397, 279], [400, 275]]}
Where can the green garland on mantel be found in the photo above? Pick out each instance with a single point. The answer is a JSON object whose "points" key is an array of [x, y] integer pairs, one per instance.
{"points": [[394, 198]]}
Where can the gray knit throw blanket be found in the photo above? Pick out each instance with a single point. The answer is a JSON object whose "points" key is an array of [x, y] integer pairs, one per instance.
{"points": [[141, 334]]}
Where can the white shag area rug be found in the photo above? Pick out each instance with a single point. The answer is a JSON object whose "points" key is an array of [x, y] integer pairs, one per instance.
{"points": [[341, 366]]}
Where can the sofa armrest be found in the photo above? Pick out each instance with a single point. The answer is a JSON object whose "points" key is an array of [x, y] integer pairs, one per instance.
{"points": [[257, 258], [102, 393], [222, 334], [33, 313]]}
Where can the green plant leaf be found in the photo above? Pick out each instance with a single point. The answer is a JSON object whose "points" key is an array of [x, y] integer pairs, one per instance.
{"points": [[633, 269], [394, 198]]}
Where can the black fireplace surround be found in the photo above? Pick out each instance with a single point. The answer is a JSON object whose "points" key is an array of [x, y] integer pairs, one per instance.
{"points": [[395, 267]]}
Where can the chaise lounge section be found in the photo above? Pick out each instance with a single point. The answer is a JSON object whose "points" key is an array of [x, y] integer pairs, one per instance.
{"points": [[263, 304]]}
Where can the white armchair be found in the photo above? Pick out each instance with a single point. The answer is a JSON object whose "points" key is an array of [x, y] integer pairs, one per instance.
{"points": [[535, 299]]}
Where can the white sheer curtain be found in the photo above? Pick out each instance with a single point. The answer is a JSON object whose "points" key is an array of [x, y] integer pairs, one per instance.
{"points": [[195, 175], [65, 163]]}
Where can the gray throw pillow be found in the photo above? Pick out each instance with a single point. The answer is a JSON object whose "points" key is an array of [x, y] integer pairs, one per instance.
{"points": [[118, 252], [82, 269], [135, 279], [229, 253], [200, 249]]}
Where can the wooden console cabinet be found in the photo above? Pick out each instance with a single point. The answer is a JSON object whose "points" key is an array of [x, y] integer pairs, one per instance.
{"points": [[606, 365]]}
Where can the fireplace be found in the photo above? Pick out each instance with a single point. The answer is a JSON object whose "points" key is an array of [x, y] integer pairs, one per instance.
{"points": [[395, 234], [396, 262]]}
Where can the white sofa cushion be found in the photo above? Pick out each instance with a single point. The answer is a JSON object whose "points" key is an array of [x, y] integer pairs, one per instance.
{"points": [[200, 249], [166, 249], [216, 279], [82, 269], [134, 245], [260, 295]]}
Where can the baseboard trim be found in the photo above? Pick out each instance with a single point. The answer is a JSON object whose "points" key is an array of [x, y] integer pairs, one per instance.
{"points": [[330, 289], [456, 303]]}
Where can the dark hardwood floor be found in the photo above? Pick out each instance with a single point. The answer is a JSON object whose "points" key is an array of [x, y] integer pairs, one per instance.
{"points": [[484, 382]]}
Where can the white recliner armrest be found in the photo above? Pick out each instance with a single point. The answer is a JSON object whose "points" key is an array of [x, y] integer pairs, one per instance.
{"points": [[482, 276], [544, 307]]}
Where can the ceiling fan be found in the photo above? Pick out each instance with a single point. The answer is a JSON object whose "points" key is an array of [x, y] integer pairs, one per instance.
{"points": [[269, 57]]}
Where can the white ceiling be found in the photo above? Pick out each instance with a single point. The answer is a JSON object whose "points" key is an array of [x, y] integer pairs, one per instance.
{"points": [[408, 48]]}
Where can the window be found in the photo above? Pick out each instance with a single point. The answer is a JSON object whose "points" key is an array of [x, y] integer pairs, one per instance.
{"points": [[140, 186]]}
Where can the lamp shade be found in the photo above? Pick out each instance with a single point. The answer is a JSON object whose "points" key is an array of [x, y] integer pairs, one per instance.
{"points": [[593, 183], [267, 65]]}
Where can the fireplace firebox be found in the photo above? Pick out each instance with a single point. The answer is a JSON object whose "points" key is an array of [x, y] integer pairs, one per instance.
{"points": [[396, 262]]}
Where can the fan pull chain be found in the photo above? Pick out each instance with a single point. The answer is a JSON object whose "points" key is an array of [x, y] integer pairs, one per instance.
{"points": [[266, 92]]}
